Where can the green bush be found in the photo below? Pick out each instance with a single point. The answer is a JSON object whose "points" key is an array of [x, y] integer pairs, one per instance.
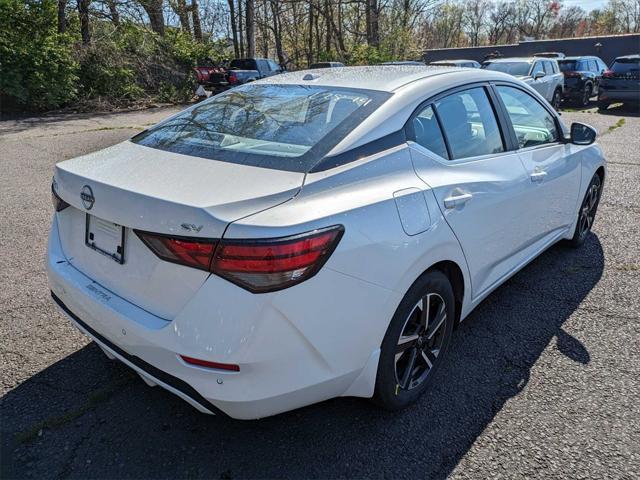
{"points": [[42, 69], [37, 66]]}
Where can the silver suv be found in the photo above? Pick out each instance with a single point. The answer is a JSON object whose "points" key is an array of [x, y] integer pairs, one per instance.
{"points": [[543, 74]]}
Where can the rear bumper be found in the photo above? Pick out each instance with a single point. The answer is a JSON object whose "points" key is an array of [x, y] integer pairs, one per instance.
{"points": [[619, 95], [294, 347]]}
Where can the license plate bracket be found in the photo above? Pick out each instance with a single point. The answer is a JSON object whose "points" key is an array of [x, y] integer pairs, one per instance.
{"points": [[105, 237]]}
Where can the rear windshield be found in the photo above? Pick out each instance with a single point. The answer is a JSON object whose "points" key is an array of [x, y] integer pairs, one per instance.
{"points": [[570, 65], [512, 68], [285, 127], [242, 64], [626, 66]]}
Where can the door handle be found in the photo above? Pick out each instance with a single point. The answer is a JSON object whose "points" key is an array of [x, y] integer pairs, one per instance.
{"points": [[538, 176], [457, 200]]}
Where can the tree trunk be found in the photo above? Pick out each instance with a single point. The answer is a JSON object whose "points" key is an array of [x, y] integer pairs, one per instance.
{"points": [[234, 27], [241, 28], [275, 13], [264, 37], [113, 12], [155, 13], [310, 40], [372, 16], [251, 29], [62, 16], [180, 8], [195, 20], [85, 27]]}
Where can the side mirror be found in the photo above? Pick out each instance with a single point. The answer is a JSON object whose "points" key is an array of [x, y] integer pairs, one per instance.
{"points": [[582, 134], [538, 74]]}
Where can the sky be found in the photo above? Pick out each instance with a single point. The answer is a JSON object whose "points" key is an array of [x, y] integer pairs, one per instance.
{"points": [[586, 5]]}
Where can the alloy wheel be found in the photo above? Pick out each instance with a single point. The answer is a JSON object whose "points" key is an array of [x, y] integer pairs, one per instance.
{"points": [[589, 207], [420, 341]]}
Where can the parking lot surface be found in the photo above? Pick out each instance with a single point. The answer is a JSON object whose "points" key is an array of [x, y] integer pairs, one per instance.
{"points": [[542, 379]]}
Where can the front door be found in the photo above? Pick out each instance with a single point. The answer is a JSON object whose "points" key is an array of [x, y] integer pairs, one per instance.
{"points": [[552, 166], [458, 150]]}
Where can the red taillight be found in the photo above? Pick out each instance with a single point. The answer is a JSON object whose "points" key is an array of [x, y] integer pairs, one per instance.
{"points": [[274, 264], [263, 265], [192, 252], [206, 363], [608, 74], [572, 74], [233, 78], [58, 203]]}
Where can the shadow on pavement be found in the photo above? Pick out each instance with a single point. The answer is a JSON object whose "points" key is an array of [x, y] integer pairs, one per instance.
{"points": [[87, 417], [618, 109]]}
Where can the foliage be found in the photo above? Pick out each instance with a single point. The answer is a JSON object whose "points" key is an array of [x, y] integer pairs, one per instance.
{"points": [[42, 69], [38, 69]]}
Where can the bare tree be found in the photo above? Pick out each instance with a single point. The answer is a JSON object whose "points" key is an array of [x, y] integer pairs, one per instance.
{"points": [[155, 14], [195, 20], [475, 17], [181, 10], [251, 25], [234, 27]]}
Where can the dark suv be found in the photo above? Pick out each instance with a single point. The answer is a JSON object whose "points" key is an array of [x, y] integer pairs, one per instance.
{"points": [[582, 76], [621, 83]]}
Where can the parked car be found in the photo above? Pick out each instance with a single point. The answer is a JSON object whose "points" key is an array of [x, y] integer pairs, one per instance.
{"points": [[543, 74], [621, 83], [582, 77], [326, 65], [240, 71], [404, 62], [556, 55], [457, 63], [295, 240]]}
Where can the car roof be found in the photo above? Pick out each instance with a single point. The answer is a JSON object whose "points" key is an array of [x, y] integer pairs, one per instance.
{"points": [[387, 78], [578, 57], [629, 57], [516, 59], [457, 60]]}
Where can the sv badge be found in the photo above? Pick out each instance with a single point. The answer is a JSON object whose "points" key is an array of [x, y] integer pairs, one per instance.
{"points": [[190, 227]]}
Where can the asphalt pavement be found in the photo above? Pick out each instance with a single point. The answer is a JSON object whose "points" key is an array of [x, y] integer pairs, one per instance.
{"points": [[542, 379]]}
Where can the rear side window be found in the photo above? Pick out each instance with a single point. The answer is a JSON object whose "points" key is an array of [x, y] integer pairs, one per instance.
{"points": [[243, 64], [469, 124], [426, 132], [592, 66], [533, 124], [548, 68]]}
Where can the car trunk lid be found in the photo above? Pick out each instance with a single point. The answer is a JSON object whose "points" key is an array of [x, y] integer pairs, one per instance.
{"points": [[147, 189]]}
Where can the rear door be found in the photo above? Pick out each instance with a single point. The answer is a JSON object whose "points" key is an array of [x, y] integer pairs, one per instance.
{"points": [[458, 149], [553, 168]]}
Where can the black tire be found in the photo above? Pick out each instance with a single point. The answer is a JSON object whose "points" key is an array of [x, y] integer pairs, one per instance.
{"points": [[586, 95], [432, 288], [587, 212], [556, 100]]}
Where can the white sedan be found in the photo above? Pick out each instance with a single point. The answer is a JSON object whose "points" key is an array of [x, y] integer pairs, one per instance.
{"points": [[315, 234]]}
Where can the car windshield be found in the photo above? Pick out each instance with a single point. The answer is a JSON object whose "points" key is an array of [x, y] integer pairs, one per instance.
{"points": [[512, 68], [624, 65], [568, 65], [286, 127]]}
